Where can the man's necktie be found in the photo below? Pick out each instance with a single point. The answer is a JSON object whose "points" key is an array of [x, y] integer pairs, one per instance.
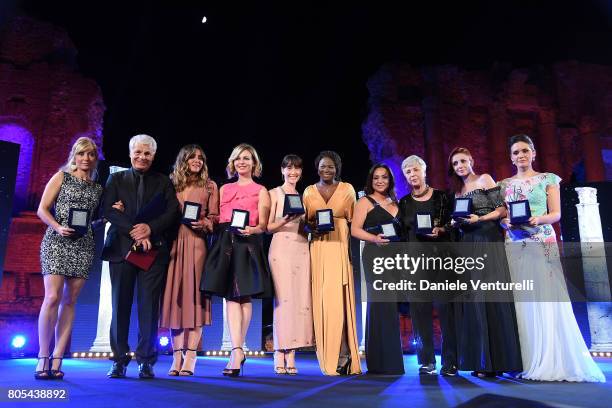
{"points": [[140, 193]]}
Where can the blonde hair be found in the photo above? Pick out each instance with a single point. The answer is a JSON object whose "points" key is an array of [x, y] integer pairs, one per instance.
{"points": [[82, 144], [180, 175], [231, 169]]}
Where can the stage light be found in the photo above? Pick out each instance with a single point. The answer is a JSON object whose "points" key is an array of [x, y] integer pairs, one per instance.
{"points": [[163, 341], [82, 354], [111, 354], [204, 19], [75, 355], [18, 341], [208, 353], [97, 354]]}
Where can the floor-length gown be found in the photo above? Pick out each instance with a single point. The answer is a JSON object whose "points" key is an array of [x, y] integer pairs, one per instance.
{"points": [[383, 343], [487, 334], [184, 306], [552, 345], [289, 260], [333, 290]]}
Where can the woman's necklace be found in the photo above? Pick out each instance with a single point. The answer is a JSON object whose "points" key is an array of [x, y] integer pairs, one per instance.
{"points": [[420, 194]]}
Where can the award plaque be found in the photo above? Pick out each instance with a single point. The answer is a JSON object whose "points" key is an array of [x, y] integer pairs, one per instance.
{"points": [[325, 220], [240, 219], [423, 223], [78, 220], [463, 207], [191, 212], [389, 231], [293, 205], [520, 212]]}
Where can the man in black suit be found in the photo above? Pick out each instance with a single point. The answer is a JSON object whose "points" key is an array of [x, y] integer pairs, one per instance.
{"points": [[127, 194]]}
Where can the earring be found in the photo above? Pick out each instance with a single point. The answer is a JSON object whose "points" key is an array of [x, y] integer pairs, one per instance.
{"points": [[73, 167]]}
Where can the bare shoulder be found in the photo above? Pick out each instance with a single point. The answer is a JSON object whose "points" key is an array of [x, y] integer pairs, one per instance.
{"points": [[487, 181]]}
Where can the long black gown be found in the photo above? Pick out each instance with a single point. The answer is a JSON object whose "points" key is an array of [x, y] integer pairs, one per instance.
{"points": [[383, 343], [487, 333]]}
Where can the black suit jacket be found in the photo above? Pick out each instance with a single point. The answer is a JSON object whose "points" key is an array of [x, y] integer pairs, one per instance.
{"points": [[123, 186]]}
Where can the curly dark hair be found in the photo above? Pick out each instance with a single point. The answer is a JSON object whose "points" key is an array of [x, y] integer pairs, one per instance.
{"points": [[333, 156]]}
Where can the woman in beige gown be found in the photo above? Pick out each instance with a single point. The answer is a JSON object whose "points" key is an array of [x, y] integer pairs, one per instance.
{"points": [[333, 291], [184, 308], [290, 266]]}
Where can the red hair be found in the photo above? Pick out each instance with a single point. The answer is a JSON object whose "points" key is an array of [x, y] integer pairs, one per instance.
{"points": [[456, 181]]}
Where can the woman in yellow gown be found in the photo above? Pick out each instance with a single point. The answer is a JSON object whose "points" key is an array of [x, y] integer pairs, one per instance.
{"points": [[333, 291]]}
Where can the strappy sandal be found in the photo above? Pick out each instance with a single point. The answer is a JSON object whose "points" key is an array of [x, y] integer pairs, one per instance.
{"points": [[183, 371], [280, 370], [174, 372], [235, 372], [56, 374], [44, 373]]}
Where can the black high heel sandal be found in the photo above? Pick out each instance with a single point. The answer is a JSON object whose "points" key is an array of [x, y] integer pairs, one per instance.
{"points": [[184, 372], [235, 372], [44, 373], [56, 374], [343, 369], [173, 372]]}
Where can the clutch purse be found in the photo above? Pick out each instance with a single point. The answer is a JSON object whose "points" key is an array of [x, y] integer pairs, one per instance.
{"points": [[141, 260]]}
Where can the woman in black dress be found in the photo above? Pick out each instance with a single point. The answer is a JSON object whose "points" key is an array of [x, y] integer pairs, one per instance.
{"points": [[424, 199], [488, 341], [383, 343]]}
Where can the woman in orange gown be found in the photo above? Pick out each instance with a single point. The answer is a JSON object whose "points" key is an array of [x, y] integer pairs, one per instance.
{"points": [[333, 291]]}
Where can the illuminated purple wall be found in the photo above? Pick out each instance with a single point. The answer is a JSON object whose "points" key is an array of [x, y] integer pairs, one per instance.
{"points": [[14, 133]]}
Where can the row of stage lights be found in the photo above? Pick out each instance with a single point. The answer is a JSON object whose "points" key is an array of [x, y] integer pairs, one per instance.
{"points": [[208, 353], [19, 341]]}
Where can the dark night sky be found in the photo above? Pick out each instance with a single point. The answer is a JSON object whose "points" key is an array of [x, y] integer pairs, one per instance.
{"points": [[291, 78]]}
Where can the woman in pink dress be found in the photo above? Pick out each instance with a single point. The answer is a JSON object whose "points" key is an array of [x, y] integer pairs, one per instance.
{"points": [[236, 268], [185, 309], [289, 259]]}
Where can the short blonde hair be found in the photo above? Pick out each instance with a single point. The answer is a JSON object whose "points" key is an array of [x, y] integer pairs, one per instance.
{"points": [[82, 144], [257, 166], [412, 161]]}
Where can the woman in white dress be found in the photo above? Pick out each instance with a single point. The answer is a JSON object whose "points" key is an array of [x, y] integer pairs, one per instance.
{"points": [[552, 347]]}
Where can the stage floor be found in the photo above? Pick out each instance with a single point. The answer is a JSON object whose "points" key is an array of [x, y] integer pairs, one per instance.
{"points": [[87, 386]]}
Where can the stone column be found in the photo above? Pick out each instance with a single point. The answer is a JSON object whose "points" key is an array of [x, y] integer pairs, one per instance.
{"points": [[105, 309], [105, 305], [499, 141], [549, 153], [434, 144], [597, 284], [591, 149]]}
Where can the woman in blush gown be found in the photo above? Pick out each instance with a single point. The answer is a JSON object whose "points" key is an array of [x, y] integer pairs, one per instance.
{"points": [[289, 259]]}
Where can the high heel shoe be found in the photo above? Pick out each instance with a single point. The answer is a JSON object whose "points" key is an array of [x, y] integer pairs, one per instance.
{"points": [[173, 371], [56, 374], [235, 372], [343, 369], [278, 368], [44, 373], [190, 369]]}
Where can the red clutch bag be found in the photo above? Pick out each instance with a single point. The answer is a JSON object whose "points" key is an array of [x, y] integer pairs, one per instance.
{"points": [[142, 260]]}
